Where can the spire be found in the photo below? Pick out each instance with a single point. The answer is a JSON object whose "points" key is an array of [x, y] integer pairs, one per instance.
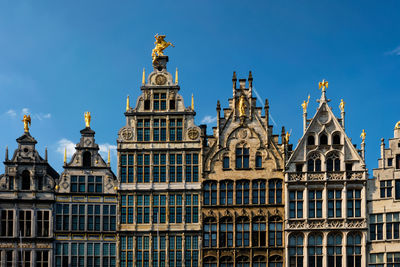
{"points": [[6, 153], [127, 103], [323, 85], [144, 77], [45, 154], [192, 106], [176, 76], [250, 79], [108, 158], [65, 156]]}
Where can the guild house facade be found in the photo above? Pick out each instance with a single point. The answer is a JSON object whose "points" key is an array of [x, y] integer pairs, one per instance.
{"points": [[235, 195]]}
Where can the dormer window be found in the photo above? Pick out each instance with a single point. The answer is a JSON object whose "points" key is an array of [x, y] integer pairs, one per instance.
{"points": [[172, 104], [333, 162], [147, 104], [310, 140], [336, 139], [323, 139], [87, 159], [160, 101], [314, 163], [26, 180]]}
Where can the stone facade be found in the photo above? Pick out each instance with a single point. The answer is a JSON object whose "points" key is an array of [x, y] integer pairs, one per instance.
{"points": [[384, 208], [159, 167], [242, 208], [26, 207], [86, 208], [325, 184]]}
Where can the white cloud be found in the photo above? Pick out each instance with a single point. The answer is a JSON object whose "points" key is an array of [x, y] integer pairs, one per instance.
{"points": [[66, 144], [41, 116], [209, 119], [11, 113], [25, 111], [104, 150], [395, 51]]}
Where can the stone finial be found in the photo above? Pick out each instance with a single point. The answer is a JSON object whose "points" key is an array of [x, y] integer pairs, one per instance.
{"points": [[6, 153]]}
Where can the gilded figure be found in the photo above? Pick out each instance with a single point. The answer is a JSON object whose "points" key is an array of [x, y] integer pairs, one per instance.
{"points": [[27, 122], [363, 135], [341, 105], [161, 45], [397, 126], [242, 106], [305, 104], [87, 119], [323, 85], [287, 136]]}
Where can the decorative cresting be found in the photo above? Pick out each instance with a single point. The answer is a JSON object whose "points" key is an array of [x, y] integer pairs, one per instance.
{"points": [[161, 45], [27, 122], [88, 117]]}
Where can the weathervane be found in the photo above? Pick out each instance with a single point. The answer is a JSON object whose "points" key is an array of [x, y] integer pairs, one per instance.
{"points": [[323, 85]]}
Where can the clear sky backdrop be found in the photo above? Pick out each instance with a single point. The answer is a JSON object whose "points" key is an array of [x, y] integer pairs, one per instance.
{"points": [[59, 59]]}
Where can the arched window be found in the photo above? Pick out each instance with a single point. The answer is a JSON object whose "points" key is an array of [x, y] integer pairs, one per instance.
{"points": [[259, 261], [242, 158], [275, 261], [210, 233], [314, 163], [226, 261], [225, 162], [333, 162], [226, 232], [336, 139], [210, 193], [26, 180], [210, 262], [296, 250], [242, 192], [258, 160], [242, 261], [87, 159], [315, 250], [354, 250], [275, 232], [334, 250], [242, 232], [226, 193], [259, 189], [259, 232], [323, 139], [310, 140], [275, 191]]}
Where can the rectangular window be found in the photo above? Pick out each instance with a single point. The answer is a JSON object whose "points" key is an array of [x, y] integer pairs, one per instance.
{"points": [[226, 163], [192, 167], [159, 246], [93, 254], [315, 203], [376, 227], [43, 223], [175, 168], [175, 251], [7, 223], [192, 251], [353, 203], [25, 223], [11, 182], [393, 225], [62, 217], [143, 168], [159, 130], [192, 208], [95, 184], [335, 203], [126, 251], [142, 209], [142, 251], [397, 189], [109, 254], [77, 254], [175, 208], [159, 167], [42, 258], [143, 130], [175, 129], [159, 208], [296, 204], [242, 158], [386, 188], [109, 217], [126, 209], [78, 183], [393, 259], [127, 167], [159, 101], [390, 162], [9, 257], [24, 258]]}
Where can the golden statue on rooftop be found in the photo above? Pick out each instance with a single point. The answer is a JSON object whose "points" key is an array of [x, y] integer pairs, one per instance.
{"points": [[305, 104], [242, 106], [27, 122], [341, 105], [363, 135], [87, 119], [287, 136], [397, 126], [161, 44], [323, 85]]}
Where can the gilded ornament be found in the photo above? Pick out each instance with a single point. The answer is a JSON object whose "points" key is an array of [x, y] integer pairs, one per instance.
{"points": [[193, 134], [323, 85], [305, 104], [88, 117], [27, 122], [397, 126], [161, 79], [341, 105], [363, 135], [287, 136], [242, 106], [161, 45]]}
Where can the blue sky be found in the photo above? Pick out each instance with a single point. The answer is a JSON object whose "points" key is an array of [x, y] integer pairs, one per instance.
{"points": [[59, 59]]}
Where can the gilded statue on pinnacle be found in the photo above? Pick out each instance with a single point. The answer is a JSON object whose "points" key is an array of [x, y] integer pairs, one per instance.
{"points": [[242, 106], [305, 104], [323, 85], [161, 45], [87, 119], [27, 122], [397, 126]]}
